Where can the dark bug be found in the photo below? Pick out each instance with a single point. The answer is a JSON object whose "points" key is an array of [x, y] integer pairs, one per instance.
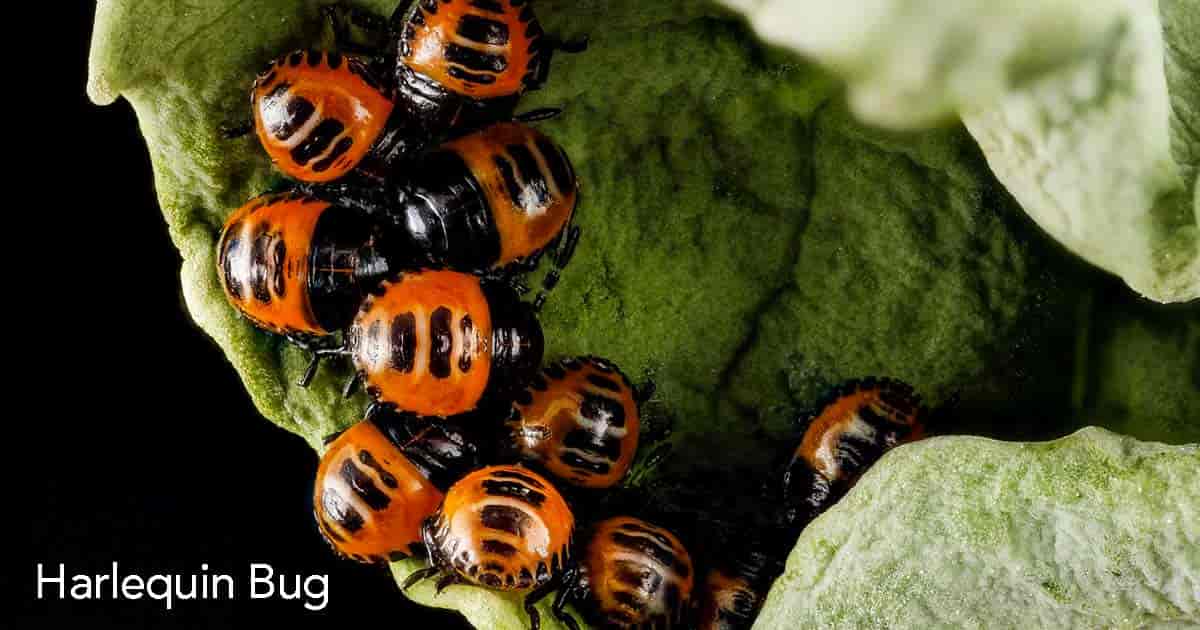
{"points": [[380, 479], [500, 527], [579, 420], [633, 574]]}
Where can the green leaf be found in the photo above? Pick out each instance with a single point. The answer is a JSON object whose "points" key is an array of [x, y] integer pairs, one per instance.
{"points": [[1087, 111], [1094, 530], [746, 243]]}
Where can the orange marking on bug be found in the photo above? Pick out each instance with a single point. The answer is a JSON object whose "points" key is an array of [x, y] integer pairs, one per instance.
{"points": [[820, 440]]}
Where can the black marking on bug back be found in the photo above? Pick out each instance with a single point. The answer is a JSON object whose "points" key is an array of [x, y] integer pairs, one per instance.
{"points": [[475, 60], [493, 6], [560, 167], [441, 342], [296, 111], [315, 58], [854, 454], [602, 409], [603, 382], [505, 518], [512, 474], [430, 5], [497, 547], [317, 141], [483, 30], [510, 180], [229, 253], [339, 149], [258, 262], [471, 77], [295, 58], [555, 371], [532, 174], [404, 342], [578, 463], [653, 549], [363, 486], [278, 270], [588, 442], [631, 600], [360, 70], [467, 328], [514, 490], [386, 477], [340, 511]]}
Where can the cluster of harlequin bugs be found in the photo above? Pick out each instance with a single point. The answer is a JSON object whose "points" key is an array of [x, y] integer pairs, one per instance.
{"points": [[418, 201]]}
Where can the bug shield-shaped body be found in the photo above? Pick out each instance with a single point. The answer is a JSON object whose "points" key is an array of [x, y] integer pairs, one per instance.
{"points": [[579, 421], [861, 421], [636, 575], [502, 527], [377, 483], [433, 342], [318, 114], [477, 50], [295, 265]]}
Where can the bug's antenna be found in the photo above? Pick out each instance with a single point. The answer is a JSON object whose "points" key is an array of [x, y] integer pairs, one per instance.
{"points": [[566, 250]]}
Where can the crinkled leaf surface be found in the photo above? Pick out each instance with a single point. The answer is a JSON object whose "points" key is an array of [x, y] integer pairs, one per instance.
{"points": [[1093, 530], [747, 242], [1087, 111]]}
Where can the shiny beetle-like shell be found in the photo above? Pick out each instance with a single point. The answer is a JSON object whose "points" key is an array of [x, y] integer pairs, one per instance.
{"points": [[370, 500], [579, 420], [637, 574], [503, 527], [318, 114]]}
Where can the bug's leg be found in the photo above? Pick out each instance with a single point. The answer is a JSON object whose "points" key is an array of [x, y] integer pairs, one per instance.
{"points": [[538, 115], [331, 437], [535, 596], [317, 352], [645, 391], [344, 18], [232, 130], [550, 45], [418, 575], [563, 255], [570, 583], [445, 582], [352, 385]]}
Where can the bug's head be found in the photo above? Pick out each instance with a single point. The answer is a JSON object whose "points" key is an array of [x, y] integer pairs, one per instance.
{"points": [[517, 341]]}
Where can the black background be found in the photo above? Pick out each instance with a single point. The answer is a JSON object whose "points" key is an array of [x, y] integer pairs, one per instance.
{"points": [[145, 447]]}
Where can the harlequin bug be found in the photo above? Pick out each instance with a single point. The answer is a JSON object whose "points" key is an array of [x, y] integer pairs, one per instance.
{"points": [[452, 62], [296, 265], [500, 527], [380, 479], [433, 342], [579, 421], [482, 202], [861, 420], [734, 590], [318, 115], [632, 575]]}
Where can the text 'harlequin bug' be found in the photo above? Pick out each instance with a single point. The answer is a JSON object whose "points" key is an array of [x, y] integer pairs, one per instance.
{"points": [[862, 420], [432, 343], [579, 421], [501, 527], [632, 575], [296, 265], [380, 479]]}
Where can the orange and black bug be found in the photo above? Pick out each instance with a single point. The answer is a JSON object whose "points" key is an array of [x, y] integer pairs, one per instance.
{"points": [[632, 575], [501, 527], [319, 114], [734, 590], [579, 421], [379, 480], [432, 343], [862, 420], [296, 265], [490, 200]]}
